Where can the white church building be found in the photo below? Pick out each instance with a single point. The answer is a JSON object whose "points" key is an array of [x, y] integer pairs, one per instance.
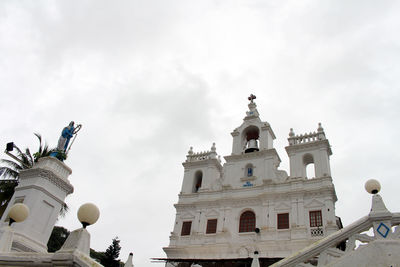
{"points": [[228, 212]]}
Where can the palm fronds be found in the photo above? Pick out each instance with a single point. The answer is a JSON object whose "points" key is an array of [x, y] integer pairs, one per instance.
{"points": [[64, 209], [43, 150], [8, 172], [29, 156]]}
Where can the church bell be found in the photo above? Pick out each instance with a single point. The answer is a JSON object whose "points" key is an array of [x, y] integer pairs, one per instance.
{"points": [[251, 146]]}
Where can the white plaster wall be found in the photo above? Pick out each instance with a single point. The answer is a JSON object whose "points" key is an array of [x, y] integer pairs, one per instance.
{"points": [[44, 207], [263, 168], [321, 161], [227, 206]]}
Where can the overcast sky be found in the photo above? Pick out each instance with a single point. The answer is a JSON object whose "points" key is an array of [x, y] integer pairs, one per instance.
{"points": [[149, 79]]}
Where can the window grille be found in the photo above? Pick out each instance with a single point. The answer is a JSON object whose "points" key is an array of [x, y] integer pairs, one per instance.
{"points": [[283, 221], [247, 222], [211, 226], [315, 218]]}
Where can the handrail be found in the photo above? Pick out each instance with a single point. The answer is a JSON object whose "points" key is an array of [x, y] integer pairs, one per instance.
{"points": [[351, 232]]}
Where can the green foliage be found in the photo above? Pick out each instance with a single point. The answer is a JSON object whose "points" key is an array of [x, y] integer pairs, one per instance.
{"points": [[43, 150], [59, 154], [112, 254], [64, 210], [57, 238], [109, 258], [6, 192], [97, 255], [12, 168]]}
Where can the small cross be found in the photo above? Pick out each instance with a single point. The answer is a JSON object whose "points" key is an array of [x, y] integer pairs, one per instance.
{"points": [[251, 98]]}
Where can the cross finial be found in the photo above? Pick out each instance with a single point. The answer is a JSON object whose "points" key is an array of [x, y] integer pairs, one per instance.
{"points": [[251, 98]]}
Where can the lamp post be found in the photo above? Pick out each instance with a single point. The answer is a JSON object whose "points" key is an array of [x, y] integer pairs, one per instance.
{"points": [[79, 240]]}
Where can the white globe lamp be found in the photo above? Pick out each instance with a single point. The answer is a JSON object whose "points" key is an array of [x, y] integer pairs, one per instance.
{"points": [[372, 186], [18, 213], [88, 214]]}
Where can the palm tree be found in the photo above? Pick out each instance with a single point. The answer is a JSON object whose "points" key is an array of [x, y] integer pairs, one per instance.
{"points": [[9, 172]]}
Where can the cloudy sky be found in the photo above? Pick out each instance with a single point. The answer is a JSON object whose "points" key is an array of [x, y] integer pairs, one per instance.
{"points": [[149, 79]]}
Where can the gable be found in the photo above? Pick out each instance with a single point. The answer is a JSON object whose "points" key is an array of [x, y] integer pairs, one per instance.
{"points": [[212, 213], [314, 203], [282, 206], [187, 215]]}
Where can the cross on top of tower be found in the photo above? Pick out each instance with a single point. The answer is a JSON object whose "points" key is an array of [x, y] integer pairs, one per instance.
{"points": [[251, 98]]}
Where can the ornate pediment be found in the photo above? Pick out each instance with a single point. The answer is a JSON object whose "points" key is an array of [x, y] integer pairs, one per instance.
{"points": [[282, 206], [314, 203], [187, 215], [212, 213]]}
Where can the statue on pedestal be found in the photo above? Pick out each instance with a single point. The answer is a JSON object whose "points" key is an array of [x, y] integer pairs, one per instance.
{"points": [[64, 145], [65, 137]]}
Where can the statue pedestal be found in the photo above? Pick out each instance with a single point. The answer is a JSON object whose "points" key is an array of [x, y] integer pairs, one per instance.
{"points": [[43, 188]]}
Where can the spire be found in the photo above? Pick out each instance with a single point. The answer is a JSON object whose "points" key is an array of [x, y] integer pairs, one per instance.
{"points": [[320, 129], [321, 133]]}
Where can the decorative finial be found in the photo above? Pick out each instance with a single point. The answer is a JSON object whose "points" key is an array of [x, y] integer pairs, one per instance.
{"points": [[291, 133], [320, 129], [190, 152], [251, 98], [213, 148]]}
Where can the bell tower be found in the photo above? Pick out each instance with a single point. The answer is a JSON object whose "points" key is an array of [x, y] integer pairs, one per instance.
{"points": [[253, 134], [202, 171], [254, 160], [305, 149]]}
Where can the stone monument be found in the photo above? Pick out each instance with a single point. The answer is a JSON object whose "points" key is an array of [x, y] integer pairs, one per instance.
{"points": [[43, 188]]}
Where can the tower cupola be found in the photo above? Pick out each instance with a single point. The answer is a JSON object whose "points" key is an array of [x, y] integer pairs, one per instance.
{"points": [[253, 135]]}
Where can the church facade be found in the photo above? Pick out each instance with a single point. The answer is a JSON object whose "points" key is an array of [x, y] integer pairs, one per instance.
{"points": [[228, 212]]}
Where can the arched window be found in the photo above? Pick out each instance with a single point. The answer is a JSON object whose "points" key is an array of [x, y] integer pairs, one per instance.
{"points": [[198, 177], [309, 165], [247, 222]]}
